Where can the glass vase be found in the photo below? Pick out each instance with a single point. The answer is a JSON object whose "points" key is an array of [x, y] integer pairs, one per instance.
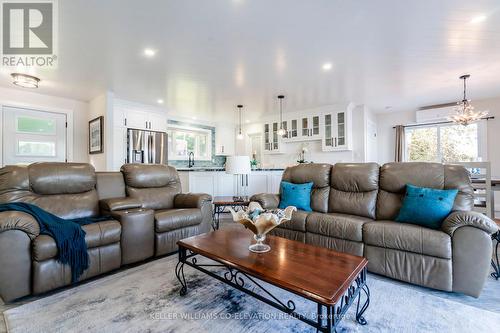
{"points": [[259, 246]]}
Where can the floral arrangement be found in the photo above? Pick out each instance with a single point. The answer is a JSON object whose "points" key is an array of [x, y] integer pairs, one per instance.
{"points": [[302, 153]]}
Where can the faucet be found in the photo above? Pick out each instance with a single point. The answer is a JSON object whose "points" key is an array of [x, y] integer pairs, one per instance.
{"points": [[190, 159]]}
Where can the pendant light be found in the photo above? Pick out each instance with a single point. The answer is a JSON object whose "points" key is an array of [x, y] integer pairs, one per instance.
{"points": [[240, 135], [464, 112], [281, 131]]}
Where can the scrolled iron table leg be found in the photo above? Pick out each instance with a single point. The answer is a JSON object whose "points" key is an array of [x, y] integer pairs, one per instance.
{"points": [[495, 262], [179, 271], [359, 311]]}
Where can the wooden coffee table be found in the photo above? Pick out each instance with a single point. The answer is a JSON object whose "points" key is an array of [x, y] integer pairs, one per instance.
{"points": [[331, 279]]}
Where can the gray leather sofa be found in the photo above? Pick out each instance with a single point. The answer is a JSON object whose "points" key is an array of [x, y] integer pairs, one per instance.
{"points": [[354, 208], [148, 214]]}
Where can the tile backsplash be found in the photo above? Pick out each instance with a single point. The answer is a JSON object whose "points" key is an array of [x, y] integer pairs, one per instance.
{"points": [[216, 161]]}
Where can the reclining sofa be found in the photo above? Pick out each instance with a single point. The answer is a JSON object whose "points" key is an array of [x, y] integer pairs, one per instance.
{"points": [[147, 213], [354, 208]]}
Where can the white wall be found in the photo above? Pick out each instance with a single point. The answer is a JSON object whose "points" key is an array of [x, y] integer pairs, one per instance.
{"points": [[290, 150], [99, 106], [385, 131], [386, 134], [32, 100]]}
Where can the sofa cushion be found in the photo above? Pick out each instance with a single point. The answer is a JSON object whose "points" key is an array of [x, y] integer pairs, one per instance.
{"points": [[319, 174], [155, 186], [150, 175], [395, 176], [337, 225], [354, 188], [63, 189], [407, 237], [61, 178], [96, 235], [173, 219], [298, 221]]}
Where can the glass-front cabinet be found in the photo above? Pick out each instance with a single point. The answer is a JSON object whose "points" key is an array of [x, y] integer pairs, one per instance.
{"points": [[336, 128], [315, 131], [267, 138], [303, 128], [293, 132], [332, 128], [272, 141], [275, 141], [291, 126]]}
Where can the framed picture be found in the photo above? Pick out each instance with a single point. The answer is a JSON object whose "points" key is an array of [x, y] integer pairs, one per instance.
{"points": [[96, 129]]}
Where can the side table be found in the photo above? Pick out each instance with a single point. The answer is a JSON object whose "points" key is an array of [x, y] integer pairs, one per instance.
{"points": [[495, 261], [220, 204]]}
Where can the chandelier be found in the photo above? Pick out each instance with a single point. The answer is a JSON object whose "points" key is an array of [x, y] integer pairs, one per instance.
{"points": [[464, 111]]}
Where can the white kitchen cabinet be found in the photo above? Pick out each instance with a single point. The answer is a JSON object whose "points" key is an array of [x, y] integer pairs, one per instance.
{"points": [[275, 181], [203, 182], [157, 122], [258, 182], [219, 183], [272, 141], [184, 178], [309, 128], [293, 129], [145, 120], [304, 128], [136, 119], [337, 129], [225, 184], [224, 140], [118, 116]]}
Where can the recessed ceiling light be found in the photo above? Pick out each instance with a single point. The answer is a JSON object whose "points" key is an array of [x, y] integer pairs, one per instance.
{"points": [[160, 101], [194, 118], [149, 53], [327, 66], [25, 80], [478, 19], [247, 121]]}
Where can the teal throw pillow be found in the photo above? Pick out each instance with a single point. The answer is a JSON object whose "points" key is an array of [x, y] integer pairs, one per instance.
{"points": [[427, 207], [298, 195]]}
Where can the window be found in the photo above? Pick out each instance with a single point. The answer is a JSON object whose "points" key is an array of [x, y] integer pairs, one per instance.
{"points": [[183, 140], [25, 124], [36, 148], [32, 136], [444, 143]]}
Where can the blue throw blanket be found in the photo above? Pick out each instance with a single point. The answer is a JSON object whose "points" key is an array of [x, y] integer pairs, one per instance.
{"points": [[68, 234]]}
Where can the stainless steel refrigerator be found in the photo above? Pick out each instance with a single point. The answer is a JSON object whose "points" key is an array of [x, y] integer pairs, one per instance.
{"points": [[147, 147]]}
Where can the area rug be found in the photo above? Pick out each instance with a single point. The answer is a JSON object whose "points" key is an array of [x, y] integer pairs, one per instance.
{"points": [[146, 299]]}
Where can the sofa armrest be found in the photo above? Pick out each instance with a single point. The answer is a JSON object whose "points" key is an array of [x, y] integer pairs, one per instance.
{"points": [[191, 200], [14, 220], [460, 219], [267, 200], [115, 204]]}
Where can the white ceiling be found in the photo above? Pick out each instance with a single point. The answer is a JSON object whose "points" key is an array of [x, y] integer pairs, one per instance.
{"points": [[212, 55]]}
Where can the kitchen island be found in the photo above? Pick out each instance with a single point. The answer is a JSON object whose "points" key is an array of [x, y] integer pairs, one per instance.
{"points": [[216, 182]]}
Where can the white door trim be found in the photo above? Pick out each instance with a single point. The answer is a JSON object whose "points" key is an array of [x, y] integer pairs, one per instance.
{"points": [[34, 107]]}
